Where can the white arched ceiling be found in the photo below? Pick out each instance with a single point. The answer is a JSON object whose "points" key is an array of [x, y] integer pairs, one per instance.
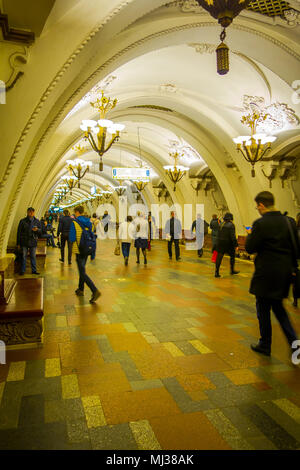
{"points": [[153, 52]]}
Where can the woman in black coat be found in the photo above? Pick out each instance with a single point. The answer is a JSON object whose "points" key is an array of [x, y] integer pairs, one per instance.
{"points": [[226, 243]]}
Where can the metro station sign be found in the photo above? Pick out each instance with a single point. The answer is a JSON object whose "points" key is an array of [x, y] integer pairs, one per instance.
{"points": [[137, 174]]}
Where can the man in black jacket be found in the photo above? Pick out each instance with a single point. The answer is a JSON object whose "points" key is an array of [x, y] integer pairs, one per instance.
{"points": [[173, 231], [28, 231], [64, 227], [275, 263], [226, 243]]}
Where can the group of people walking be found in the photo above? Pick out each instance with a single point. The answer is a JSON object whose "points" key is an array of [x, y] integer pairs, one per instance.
{"points": [[274, 238]]}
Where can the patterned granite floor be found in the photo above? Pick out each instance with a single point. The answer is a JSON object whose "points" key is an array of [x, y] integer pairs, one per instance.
{"points": [[162, 361]]}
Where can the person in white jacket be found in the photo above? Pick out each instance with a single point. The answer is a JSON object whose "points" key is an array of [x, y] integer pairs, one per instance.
{"points": [[126, 235], [141, 236]]}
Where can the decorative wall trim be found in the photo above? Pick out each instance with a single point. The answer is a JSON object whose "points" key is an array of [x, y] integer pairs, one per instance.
{"points": [[15, 35]]}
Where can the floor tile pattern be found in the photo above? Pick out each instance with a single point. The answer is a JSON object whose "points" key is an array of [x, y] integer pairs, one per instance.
{"points": [[161, 361]]}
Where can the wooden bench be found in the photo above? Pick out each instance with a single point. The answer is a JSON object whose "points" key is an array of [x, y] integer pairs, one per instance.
{"points": [[42, 242], [21, 307], [21, 319], [242, 253], [41, 252]]}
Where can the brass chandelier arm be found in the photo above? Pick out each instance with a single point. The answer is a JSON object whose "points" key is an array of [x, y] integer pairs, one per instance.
{"points": [[114, 138], [92, 141]]}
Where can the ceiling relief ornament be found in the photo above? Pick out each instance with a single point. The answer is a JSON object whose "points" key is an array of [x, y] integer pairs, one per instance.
{"points": [[93, 94], [279, 116], [203, 48], [292, 17], [191, 6], [168, 88], [183, 148]]}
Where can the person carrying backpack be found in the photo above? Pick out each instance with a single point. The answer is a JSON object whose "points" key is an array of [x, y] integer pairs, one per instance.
{"points": [[84, 242]]}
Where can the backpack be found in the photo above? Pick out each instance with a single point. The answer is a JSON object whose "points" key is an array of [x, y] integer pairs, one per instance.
{"points": [[87, 245]]}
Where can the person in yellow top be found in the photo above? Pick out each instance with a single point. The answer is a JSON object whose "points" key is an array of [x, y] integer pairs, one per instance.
{"points": [[77, 227]]}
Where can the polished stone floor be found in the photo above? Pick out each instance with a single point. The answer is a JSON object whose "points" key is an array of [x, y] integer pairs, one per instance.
{"points": [[162, 361]]}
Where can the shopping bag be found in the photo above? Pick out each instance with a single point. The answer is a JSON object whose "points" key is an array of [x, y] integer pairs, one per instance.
{"points": [[117, 249], [149, 245], [214, 256]]}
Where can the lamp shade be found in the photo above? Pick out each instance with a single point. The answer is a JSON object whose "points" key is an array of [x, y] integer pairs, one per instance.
{"points": [[88, 124], [223, 10]]}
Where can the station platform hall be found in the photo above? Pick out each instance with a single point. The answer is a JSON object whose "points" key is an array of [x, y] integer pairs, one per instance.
{"points": [[150, 226]]}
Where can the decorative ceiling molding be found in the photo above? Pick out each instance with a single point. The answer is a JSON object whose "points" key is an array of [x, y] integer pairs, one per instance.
{"points": [[292, 17], [168, 88], [279, 116], [203, 48], [15, 35], [104, 85]]}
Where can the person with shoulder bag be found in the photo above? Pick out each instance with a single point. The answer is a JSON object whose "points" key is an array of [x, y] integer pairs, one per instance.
{"points": [[84, 241]]}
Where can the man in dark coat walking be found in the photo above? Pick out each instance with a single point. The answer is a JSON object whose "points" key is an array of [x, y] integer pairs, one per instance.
{"points": [[28, 231], [173, 232], [64, 228], [275, 263], [226, 243]]}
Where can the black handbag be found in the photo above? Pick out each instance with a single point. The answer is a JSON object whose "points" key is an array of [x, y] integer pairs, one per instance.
{"points": [[296, 273]]}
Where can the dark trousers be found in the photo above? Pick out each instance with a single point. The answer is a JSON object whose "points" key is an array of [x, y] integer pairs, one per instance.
{"points": [[63, 240], [126, 249], [50, 239], [220, 257], [32, 251], [177, 251], [93, 255], [263, 309], [200, 252], [83, 277]]}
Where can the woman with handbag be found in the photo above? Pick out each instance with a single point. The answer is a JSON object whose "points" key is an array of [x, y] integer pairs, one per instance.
{"points": [[126, 235]]}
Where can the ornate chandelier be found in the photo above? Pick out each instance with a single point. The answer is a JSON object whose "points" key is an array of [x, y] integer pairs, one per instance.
{"points": [[70, 181], [107, 194], [176, 172], [102, 127], [254, 147], [224, 11], [120, 190], [78, 167]]}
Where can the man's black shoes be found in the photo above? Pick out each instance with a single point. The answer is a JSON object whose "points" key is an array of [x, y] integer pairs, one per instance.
{"points": [[258, 348], [79, 292], [95, 296]]}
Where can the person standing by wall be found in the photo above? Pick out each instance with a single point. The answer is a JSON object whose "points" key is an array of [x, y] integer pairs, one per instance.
{"points": [[214, 226], [28, 231], [126, 235], [173, 231], [198, 227], [226, 243], [276, 260], [80, 248], [63, 231], [141, 236]]}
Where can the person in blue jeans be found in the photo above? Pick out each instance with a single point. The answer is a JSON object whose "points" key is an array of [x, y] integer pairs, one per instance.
{"points": [[81, 259], [126, 235], [28, 231]]}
